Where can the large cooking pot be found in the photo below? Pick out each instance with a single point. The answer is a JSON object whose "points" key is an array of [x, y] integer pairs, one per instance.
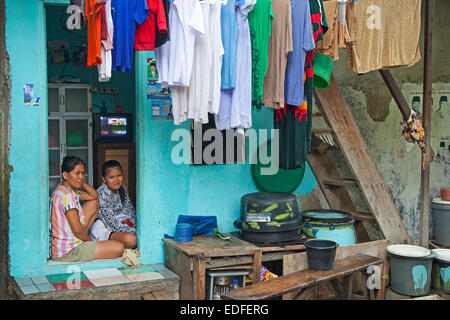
{"points": [[269, 217]]}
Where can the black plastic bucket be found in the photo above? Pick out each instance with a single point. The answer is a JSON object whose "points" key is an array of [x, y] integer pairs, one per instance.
{"points": [[320, 254]]}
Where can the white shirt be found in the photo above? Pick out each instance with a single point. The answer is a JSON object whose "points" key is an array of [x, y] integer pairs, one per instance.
{"points": [[104, 69], [217, 52], [176, 57]]}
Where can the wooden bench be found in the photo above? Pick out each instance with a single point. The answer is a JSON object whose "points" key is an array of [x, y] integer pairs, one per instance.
{"points": [[341, 278]]}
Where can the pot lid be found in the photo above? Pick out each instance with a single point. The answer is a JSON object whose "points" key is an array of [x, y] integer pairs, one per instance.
{"points": [[440, 201], [407, 250], [327, 216], [442, 254]]}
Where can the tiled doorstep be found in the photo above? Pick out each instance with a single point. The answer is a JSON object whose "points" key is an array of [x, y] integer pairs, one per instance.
{"points": [[109, 281], [102, 273], [91, 278], [146, 276]]}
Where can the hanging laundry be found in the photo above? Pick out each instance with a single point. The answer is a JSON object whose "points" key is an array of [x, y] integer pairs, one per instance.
{"points": [[302, 42], [329, 45], [229, 35], [104, 69], [392, 39], [144, 39], [280, 44], [163, 37], [236, 104], [320, 29], [126, 14], [294, 122], [217, 52], [260, 24], [192, 102], [93, 17], [175, 58]]}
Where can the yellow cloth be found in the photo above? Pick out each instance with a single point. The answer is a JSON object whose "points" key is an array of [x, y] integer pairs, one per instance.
{"points": [[386, 35]]}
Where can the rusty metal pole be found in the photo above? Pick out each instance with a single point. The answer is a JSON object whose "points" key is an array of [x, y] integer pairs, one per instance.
{"points": [[427, 87]]}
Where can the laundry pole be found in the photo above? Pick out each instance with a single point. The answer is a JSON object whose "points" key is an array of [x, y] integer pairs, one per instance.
{"points": [[427, 88]]}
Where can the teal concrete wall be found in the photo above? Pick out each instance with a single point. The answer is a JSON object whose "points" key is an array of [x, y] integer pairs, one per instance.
{"points": [[28, 232], [164, 190], [168, 190]]}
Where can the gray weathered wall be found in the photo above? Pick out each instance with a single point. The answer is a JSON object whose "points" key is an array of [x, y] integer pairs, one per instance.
{"points": [[378, 118]]}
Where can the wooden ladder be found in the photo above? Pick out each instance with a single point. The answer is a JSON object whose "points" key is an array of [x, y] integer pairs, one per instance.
{"points": [[351, 144]]}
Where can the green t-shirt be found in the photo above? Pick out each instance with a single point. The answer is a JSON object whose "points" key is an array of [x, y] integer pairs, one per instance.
{"points": [[260, 24]]}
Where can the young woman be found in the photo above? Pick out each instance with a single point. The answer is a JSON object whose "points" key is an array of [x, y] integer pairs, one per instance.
{"points": [[70, 220], [116, 216]]}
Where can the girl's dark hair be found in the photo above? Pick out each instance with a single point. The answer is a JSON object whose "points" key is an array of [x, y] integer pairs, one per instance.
{"points": [[108, 165], [70, 162]]}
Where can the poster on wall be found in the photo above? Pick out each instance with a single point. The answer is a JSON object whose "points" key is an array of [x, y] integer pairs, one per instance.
{"points": [[161, 109], [159, 98], [58, 51]]}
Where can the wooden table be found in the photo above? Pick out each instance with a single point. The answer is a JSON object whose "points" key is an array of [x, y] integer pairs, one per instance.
{"points": [[306, 281], [190, 260]]}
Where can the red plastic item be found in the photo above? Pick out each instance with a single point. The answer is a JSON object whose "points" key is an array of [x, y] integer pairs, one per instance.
{"points": [[445, 194], [118, 108]]}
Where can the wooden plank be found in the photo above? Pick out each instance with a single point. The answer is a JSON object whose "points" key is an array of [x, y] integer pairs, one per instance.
{"points": [[257, 261], [300, 280], [333, 106], [298, 261], [340, 182], [199, 278], [384, 279], [212, 246], [337, 198], [427, 87], [396, 93], [180, 264], [362, 216]]}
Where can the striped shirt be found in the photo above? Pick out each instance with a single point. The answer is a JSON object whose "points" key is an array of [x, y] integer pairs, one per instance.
{"points": [[62, 238]]}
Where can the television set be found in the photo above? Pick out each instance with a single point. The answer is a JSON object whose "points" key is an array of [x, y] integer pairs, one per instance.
{"points": [[113, 127]]}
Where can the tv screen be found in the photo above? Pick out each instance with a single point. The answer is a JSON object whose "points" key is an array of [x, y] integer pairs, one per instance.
{"points": [[113, 126]]}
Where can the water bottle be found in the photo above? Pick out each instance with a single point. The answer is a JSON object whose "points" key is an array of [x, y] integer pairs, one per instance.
{"points": [[235, 284]]}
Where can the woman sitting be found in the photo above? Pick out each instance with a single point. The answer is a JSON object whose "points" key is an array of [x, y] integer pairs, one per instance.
{"points": [[116, 216], [70, 220]]}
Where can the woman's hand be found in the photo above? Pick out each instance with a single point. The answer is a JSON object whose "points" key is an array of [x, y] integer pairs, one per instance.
{"points": [[88, 193]]}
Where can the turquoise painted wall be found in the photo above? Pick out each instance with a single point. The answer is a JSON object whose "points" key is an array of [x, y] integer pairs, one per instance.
{"points": [[168, 190], [164, 190], [28, 230]]}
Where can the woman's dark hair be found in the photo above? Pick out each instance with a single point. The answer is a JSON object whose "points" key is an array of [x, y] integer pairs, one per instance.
{"points": [[113, 164], [110, 164], [70, 162]]}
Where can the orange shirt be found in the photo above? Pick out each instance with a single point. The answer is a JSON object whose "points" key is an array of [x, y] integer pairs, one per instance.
{"points": [[94, 31]]}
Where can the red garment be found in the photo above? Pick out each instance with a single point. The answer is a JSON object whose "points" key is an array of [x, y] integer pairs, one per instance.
{"points": [[93, 16], [144, 39]]}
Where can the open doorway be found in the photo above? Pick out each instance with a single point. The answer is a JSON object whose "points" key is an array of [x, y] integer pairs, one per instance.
{"points": [[87, 118]]}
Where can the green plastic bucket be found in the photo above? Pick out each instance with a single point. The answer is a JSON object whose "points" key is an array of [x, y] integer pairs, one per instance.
{"points": [[323, 66], [410, 269], [440, 274]]}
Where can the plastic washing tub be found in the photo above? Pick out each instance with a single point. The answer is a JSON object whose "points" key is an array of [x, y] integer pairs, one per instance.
{"points": [[410, 269]]}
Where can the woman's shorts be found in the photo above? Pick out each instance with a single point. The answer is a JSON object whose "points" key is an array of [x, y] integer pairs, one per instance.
{"points": [[83, 252], [98, 231]]}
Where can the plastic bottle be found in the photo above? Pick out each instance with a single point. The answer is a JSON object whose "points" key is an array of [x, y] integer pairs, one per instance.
{"points": [[235, 284]]}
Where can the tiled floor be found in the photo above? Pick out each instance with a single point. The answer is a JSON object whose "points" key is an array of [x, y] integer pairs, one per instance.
{"points": [[90, 278]]}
